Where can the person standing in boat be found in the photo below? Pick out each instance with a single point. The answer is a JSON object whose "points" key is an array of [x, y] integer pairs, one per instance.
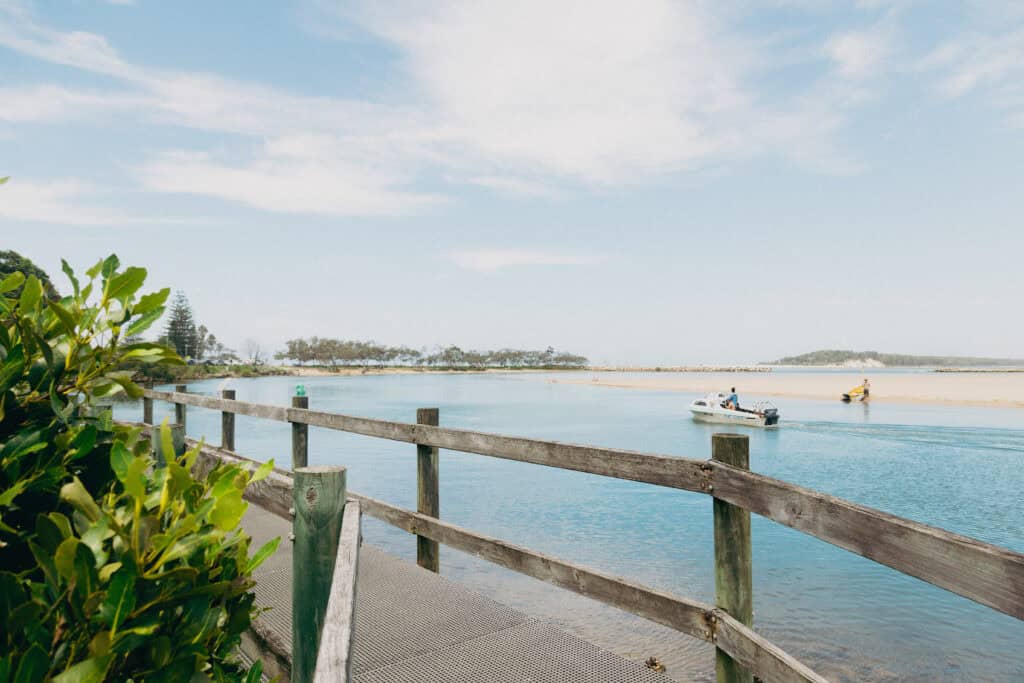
{"points": [[733, 401], [867, 389]]}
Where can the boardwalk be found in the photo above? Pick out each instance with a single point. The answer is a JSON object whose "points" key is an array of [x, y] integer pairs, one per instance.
{"points": [[413, 625]]}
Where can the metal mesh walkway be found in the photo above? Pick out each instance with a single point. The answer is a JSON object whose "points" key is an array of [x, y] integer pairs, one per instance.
{"points": [[413, 625]]}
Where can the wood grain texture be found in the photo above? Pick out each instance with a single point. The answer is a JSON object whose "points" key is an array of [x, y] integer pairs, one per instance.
{"points": [[227, 423], [680, 473], [179, 408], [682, 614], [767, 661], [733, 556], [982, 572], [319, 502], [428, 494], [334, 659], [300, 436], [276, 413]]}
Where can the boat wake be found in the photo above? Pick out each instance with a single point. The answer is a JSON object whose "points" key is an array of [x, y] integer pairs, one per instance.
{"points": [[998, 439]]}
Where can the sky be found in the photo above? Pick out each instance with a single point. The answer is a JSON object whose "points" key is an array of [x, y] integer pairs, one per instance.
{"points": [[652, 182]]}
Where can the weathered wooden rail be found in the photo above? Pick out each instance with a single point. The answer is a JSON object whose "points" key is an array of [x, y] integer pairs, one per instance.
{"points": [[982, 572]]}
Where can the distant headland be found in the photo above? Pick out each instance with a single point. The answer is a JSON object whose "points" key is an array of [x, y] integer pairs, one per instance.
{"points": [[875, 359]]}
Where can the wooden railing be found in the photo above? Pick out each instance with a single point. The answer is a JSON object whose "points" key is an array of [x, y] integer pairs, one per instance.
{"points": [[982, 572]]}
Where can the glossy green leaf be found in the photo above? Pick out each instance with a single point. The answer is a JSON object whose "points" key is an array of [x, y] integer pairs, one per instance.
{"points": [[67, 319], [71, 275], [95, 270], [135, 478], [265, 551], [75, 494], [151, 302], [44, 560], [11, 282], [92, 670], [125, 284], [30, 294], [8, 495], [110, 266], [34, 665], [120, 459], [228, 510], [143, 323], [255, 673], [263, 471], [64, 558], [107, 571], [120, 599]]}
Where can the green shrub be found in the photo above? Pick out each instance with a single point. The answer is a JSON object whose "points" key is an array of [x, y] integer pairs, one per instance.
{"points": [[110, 569]]}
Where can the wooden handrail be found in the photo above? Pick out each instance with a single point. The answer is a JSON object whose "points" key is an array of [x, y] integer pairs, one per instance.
{"points": [[691, 617], [982, 572], [334, 660]]}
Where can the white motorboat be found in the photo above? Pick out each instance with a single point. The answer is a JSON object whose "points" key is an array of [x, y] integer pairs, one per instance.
{"points": [[712, 408]]}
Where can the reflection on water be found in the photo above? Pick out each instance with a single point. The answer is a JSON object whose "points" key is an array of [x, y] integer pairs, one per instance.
{"points": [[849, 618]]}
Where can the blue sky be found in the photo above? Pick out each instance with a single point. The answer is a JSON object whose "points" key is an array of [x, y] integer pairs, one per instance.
{"points": [[650, 182]]}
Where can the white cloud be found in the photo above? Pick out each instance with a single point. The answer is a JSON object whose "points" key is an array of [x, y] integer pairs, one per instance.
{"points": [[595, 92], [67, 202], [45, 103], [530, 99], [515, 187], [489, 260], [286, 185], [859, 54], [990, 63]]}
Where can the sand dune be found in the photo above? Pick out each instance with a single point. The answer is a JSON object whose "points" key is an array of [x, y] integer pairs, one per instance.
{"points": [[977, 389]]}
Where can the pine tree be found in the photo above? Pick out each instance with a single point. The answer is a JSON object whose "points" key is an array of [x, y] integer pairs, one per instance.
{"points": [[180, 331]]}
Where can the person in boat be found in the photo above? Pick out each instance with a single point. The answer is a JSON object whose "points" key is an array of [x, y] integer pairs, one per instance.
{"points": [[733, 401], [867, 388]]}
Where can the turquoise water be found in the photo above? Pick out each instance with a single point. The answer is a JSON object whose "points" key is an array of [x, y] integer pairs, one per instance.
{"points": [[958, 468]]}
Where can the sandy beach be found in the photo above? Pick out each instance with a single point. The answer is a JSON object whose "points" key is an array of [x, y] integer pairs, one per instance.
{"points": [[995, 389]]}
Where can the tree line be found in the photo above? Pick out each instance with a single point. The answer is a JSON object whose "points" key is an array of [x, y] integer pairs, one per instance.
{"points": [[333, 352], [190, 340], [196, 343]]}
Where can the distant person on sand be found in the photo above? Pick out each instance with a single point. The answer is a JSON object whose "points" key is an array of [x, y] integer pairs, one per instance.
{"points": [[733, 401]]}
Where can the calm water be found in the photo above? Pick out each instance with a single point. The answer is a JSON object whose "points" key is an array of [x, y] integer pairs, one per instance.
{"points": [[847, 617]]}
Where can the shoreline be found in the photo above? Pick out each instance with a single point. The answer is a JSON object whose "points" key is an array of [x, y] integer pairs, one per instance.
{"points": [[992, 390]]}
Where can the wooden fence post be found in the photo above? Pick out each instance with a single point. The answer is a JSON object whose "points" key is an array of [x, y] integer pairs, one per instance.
{"points": [[428, 495], [227, 423], [300, 436], [147, 406], [177, 439], [733, 572], [319, 500], [179, 408]]}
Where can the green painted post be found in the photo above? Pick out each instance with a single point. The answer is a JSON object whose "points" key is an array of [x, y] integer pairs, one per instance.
{"points": [[733, 571], [319, 500], [300, 436], [177, 439], [428, 495], [179, 408], [227, 423]]}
